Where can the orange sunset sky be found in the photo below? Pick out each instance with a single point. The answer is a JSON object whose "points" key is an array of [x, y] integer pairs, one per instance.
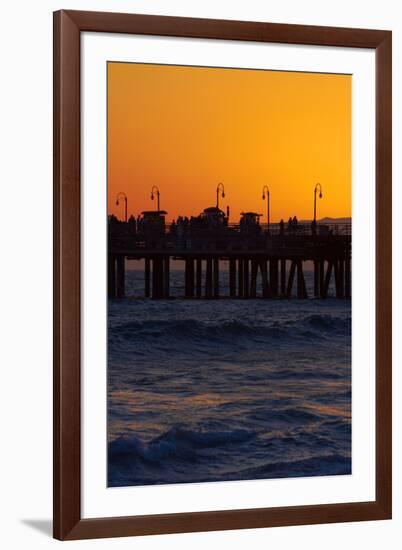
{"points": [[185, 129]]}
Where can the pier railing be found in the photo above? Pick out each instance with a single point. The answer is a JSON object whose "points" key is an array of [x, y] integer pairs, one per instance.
{"points": [[302, 228], [224, 236]]}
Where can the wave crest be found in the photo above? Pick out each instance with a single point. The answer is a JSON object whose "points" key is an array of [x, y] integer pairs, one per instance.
{"points": [[175, 443], [232, 331]]}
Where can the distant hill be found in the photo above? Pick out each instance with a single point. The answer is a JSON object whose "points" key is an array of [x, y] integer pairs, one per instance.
{"points": [[329, 220], [335, 220]]}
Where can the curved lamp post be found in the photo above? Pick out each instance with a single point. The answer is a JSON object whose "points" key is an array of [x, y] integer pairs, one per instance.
{"points": [[265, 193], [220, 188], [316, 188], [122, 196], [155, 189]]}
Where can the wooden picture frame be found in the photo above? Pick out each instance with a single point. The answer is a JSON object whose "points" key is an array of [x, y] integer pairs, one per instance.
{"points": [[68, 26]]}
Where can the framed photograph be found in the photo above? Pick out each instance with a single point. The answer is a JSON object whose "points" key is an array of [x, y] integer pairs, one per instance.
{"points": [[222, 272]]}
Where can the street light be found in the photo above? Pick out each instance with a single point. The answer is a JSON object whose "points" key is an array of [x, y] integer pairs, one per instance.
{"points": [[220, 188], [316, 188], [265, 189], [124, 197], [155, 188]]}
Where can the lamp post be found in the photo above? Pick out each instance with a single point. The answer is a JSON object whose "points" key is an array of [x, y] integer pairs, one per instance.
{"points": [[316, 188], [220, 188], [265, 193], [156, 190], [122, 196]]}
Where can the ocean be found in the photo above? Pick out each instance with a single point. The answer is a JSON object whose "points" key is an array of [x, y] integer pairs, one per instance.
{"points": [[227, 389]]}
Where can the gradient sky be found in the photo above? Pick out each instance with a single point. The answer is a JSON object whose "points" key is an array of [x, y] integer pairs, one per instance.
{"points": [[185, 129]]}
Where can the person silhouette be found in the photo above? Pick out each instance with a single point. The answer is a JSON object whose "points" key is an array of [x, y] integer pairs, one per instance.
{"points": [[314, 227]]}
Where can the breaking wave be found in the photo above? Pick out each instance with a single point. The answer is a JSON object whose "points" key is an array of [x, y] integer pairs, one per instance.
{"points": [[166, 459]]}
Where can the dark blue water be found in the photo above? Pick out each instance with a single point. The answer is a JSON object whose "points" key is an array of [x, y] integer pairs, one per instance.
{"points": [[210, 390]]}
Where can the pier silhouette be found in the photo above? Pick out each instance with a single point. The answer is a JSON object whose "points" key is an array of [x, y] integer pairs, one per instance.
{"points": [[269, 257]]}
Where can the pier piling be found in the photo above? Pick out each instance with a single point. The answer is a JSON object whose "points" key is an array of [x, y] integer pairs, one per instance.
{"points": [[290, 280], [246, 281], [198, 277], [208, 279], [316, 279], [341, 278], [273, 276], [321, 271], [266, 288], [240, 292], [325, 286], [283, 276], [120, 277], [189, 278], [166, 277], [301, 283], [347, 278], [337, 277], [147, 275], [216, 277], [253, 281], [232, 278], [111, 277]]}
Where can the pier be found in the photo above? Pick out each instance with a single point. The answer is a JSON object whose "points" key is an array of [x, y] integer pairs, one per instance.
{"points": [[263, 261]]}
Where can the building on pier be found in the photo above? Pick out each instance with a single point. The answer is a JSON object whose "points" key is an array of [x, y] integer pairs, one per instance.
{"points": [[214, 217], [152, 226], [152, 220], [250, 223]]}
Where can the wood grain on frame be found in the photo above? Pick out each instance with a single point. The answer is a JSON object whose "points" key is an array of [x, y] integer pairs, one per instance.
{"points": [[67, 481]]}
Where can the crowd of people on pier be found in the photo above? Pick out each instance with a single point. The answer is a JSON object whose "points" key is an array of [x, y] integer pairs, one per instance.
{"points": [[184, 224], [211, 224]]}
